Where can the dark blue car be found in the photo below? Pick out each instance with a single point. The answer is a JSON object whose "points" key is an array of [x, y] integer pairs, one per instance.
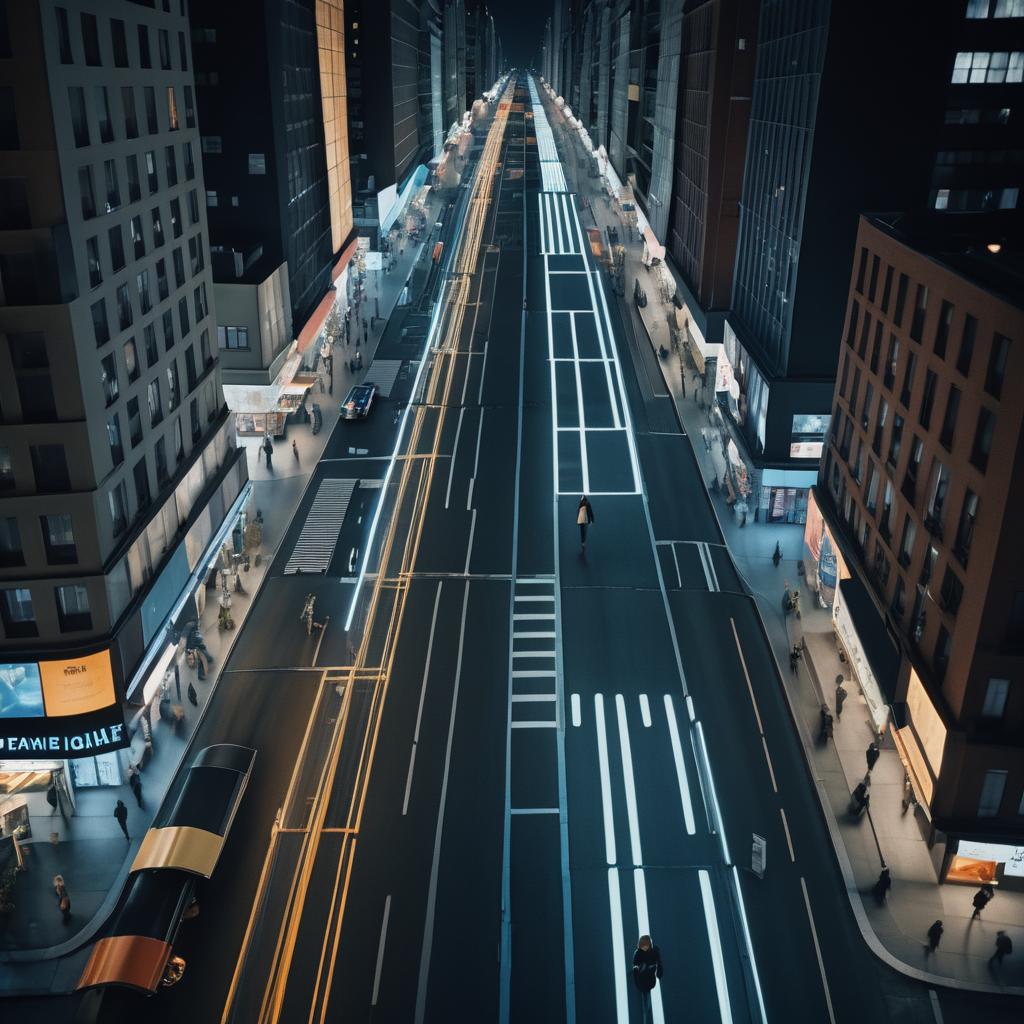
{"points": [[359, 402]]}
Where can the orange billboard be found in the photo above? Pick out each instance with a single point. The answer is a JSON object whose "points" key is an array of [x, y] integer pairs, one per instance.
{"points": [[78, 686]]}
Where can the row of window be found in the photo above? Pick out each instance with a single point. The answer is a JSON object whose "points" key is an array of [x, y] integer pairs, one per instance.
{"points": [[980, 67], [970, 199], [995, 8], [111, 195], [58, 539], [19, 617], [99, 127], [119, 48]]}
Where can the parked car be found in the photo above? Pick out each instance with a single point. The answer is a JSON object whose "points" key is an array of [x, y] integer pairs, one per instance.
{"points": [[359, 402]]}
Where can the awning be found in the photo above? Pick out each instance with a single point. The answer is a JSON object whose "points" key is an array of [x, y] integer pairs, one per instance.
{"points": [[344, 260], [315, 324], [260, 398], [654, 247]]}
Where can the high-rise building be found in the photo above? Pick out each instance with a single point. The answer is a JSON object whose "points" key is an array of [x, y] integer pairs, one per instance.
{"points": [[920, 486], [716, 75], [454, 62], [119, 473]]}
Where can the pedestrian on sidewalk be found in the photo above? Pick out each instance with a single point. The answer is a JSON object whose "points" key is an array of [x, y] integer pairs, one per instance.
{"points": [[882, 887], [1004, 947], [826, 725], [776, 554], [794, 657], [934, 935], [51, 798], [121, 813], [268, 449], [840, 698], [63, 899], [860, 799], [193, 699], [647, 969], [871, 755], [982, 898], [135, 782], [584, 517], [295, 450]]}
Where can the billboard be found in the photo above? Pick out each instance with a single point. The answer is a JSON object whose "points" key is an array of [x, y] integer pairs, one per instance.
{"points": [[78, 686], [21, 693]]}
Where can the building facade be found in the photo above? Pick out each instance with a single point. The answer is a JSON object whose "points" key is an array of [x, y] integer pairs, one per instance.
{"points": [[921, 482], [119, 472]]}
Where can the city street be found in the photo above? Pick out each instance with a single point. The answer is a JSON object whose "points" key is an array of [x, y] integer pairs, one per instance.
{"points": [[523, 752]]}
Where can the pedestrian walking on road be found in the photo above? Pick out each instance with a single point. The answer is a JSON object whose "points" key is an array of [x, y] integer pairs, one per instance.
{"points": [[1004, 947], [882, 887], [63, 899], [840, 697], [776, 554], [647, 969], [295, 450], [825, 733], [584, 517], [934, 935], [121, 813], [982, 898], [135, 783], [871, 755]]}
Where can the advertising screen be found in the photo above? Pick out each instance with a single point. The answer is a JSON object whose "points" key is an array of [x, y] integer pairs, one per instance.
{"points": [[78, 686], [21, 693]]}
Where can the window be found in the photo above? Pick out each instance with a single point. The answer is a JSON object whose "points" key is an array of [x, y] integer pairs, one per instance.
{"points": [[179, 442], [156, 411], [901, 299], [1015, 623], [144, 58], [32, 374], [18, 615], [131, 360], [995, 698], [189, 161], [873, 285], [991, 798], [173, 388], [193, 416], [190, 108], [885, 523], [897, 605], [142, 284], [952, 592], [113, 188], [887, 289], [931, 382], [125, 317], [134, 422], [172, 110], [949, 420], [920, 309], [211, 198], [195, 254], [11, 553], [963, 360], [977, 8], [844, 378], [131, 121], [855, 391], [50, 466], [142, 493], [908, 379], [889, 376], [108, 379], [114, 440], [965, 528], [183, 316], [883, 414], [179, 268], [895, 440], [149, 339], [199, 302], [211, 144], [160, 455], [73, 608], [865, 413], [176, 225], [99, 322], [91, 40], [106, 123], [116, 243], [907, 541], [164, 44], [193, 207], [871, 491], [943, 646], [6, 469], [168, 324], [134, 188], [119, 43], [861, 270], [204, 343], [876, 347], [996, 371], [938, 488], [118, 501], [851, 330], [138, 239], [191, 377], [942, 328], [982, 447], [152, 126], [913, 470], [257, 163], [158, 227], [989, 68], [14, 209], [79, 118], [161, 280], [85, 191], [64, 36]]}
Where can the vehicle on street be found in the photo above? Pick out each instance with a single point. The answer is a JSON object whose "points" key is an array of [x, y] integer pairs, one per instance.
{"points": [[359, 402]]}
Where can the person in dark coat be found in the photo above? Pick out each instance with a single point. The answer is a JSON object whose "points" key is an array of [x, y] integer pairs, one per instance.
{"points": [[268, 449], [859, 799], [1004, 947], [584, 517], [934, 935], [193, 696], [871, 754], [882, 886], [121, 813], [981, 899], [135, 783], [840, 697], [63, 899], [826, 724], [647, 969]]}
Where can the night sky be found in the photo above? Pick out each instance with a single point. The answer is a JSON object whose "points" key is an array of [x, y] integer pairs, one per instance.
{"points": [[520, 24]]}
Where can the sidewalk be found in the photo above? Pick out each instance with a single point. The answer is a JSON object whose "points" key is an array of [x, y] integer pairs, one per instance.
{"points": [[896, 931], [91, 852]]}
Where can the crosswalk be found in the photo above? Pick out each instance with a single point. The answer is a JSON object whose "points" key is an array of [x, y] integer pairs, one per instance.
{"points": [[384, 373], [534, 667], [316, 543]]}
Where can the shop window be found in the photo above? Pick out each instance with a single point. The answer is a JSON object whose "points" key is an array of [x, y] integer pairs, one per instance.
{"points": [[992, 788], [18, 614], [997, 365], [995, 698], [59, 539], [982, 447], [11, 553], [963, 359]]}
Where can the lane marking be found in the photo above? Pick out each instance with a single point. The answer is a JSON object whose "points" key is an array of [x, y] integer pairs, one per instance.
{"points": [[689, 708], [717, 959], [577, 712], [380, 949], [534, 725], [737, 888], [618, 947], [645, 710], [527, 698], [531, 597], [423, 695], [704, 565], [547, 635], [531, 673], [581, 411], [933, 998], [469, 546], [789, 839], [408, 780], [771, 770], [712, 804], [675, 558], [817, 952], [533, 617], [533, 654], [606, 788], [677, 756], [451, 461], [628, 781], [746, 675], [535, 810], [711, 566], [644, 928]]}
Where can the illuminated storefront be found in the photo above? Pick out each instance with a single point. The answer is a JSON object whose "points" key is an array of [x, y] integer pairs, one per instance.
{"points": [[824, 565]]}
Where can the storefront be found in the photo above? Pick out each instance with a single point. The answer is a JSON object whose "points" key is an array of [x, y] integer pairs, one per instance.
{"points": [[824, 565], [975, 861], [867, 648], [785, 494]]}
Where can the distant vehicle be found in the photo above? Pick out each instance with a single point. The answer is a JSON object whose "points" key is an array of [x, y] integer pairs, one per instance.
{"points": [[359, 402], [438, 249]]}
